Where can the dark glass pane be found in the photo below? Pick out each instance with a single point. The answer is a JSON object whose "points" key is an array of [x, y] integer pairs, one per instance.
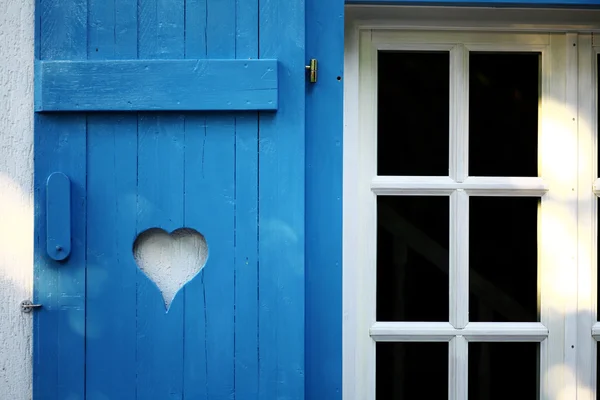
{"points": [[407, 371], [503, 259], [412, 258], [503, 113], [413, 113], [500, 371]]}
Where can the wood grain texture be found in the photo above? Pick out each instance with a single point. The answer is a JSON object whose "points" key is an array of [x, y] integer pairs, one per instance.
{"points": [[111, 224], [247, 331], [60, 143], [111, 270], [59, 346], [143, 85], [324, 139], [281, 206], [236, 330], [220, 351], [160, 204]]}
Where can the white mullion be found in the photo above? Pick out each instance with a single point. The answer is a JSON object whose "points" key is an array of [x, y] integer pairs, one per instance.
{"points": [[412, 331], [558, 228], [504, 186], [586, 222], [360, 246], [412, 185], [459, 112], [505, 332], [458, 369], [571, 94], [444, 186], [459, 259], [473, 332]]}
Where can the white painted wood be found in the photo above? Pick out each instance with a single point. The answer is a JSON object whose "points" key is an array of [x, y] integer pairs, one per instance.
{"points": [[505, 332], [444, 186], [559, 283], [412, 331], [570, 282], [459, 259], [515, 47], [436, 37], [365, 214], [501, 186], [413, 185], [587, 225], [413, 47], [353, 373], [473, 332], [458, 379], [459, 113], [557, 230], [473, 19]]}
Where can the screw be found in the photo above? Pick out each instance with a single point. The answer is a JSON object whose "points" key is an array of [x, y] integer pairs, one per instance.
{"points": [[58, 248]]}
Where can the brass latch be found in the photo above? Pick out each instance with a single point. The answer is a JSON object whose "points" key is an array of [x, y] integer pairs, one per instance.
{"points": [[312, 70]]}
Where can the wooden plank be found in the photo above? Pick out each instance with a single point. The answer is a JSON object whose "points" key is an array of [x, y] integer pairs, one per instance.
{"points": [[112, 180], [161, 158], [219, 280], [160, 205], [60, 143], [58, 216], [111, 269], [324, 138], [195, 363], [59, 346], [209, 308], [246, 219], [155, 85], [281, 206]]}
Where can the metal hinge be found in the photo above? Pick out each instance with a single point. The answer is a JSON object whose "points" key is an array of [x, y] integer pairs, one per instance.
{"points": [[312, 70], [27, 306]]}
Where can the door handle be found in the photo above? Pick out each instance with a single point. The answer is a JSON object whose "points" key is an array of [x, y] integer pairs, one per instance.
{"points": [[58, 216]]}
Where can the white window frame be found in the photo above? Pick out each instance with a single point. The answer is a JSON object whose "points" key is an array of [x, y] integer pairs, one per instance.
{"points": [[567, 130]]}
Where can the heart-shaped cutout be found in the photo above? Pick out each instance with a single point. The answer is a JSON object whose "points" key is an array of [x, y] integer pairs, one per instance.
{"points": [[170, 260]]}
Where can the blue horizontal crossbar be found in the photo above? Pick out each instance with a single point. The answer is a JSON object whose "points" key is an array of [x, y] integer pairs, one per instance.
{"points": [[156, 85]]}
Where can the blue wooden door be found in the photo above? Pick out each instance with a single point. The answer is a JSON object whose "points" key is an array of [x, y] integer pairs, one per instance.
{"points": [[169, 114]]}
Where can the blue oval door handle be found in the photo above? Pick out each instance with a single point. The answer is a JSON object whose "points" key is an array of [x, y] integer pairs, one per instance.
{"points": [[58, 216]]}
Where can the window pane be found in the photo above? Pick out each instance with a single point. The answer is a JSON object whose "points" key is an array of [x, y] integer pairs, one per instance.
{"points": [[413, 113], [412, 371], [412, 258], [503, 113], [500, 371], [503, 259]]}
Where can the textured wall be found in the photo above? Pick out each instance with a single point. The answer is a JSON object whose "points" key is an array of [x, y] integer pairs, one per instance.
{"points": [[16, 205]]}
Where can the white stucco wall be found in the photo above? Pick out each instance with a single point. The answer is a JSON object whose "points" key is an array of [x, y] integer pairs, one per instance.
{"points": [[16, 195]]}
